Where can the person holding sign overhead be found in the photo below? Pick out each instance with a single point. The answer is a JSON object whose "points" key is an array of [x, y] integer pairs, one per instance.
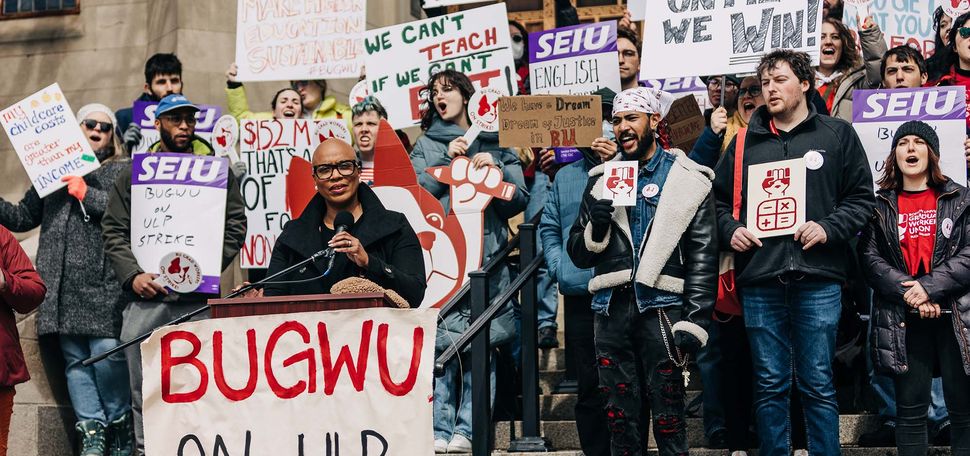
{"points": [[151, 305], [654, 273], [445, 122], [839, 71], [789, 279], [917, 259], [286, 104]]}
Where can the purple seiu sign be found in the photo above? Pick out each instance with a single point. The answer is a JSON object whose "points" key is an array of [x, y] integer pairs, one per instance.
{"points": [[899, 105], [179, 169], [572, 41]]}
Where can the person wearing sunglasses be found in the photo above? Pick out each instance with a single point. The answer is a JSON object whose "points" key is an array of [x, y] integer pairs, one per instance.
{"points": [[148, 304], [380, 245], [82, 308]]}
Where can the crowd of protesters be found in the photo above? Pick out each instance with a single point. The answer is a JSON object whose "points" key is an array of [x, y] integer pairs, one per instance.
{"points": [[637, 286]]}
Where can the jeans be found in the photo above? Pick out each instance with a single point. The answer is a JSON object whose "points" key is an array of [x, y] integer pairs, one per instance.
{"points": [[710, 362], [625, 340], [100, 391], [138, 318], [791, 325], [548, 294], [931, 346], [594, 436], [453, 398]]}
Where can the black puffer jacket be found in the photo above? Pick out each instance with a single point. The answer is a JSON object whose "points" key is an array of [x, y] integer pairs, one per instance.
{"points": [[947, 284], [679, 253]]}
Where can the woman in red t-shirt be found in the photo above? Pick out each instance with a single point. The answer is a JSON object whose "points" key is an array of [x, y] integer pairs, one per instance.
{"points": [[917, 260]]}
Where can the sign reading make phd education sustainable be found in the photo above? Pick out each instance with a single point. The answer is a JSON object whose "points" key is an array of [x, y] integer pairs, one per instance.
{"points": [[48, 139], [876, 114], [402, 58], [178, 205], [574, 60], [714, 37]]}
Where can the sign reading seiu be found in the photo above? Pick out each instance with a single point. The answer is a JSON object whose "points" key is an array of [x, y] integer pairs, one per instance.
{"points": [[573, 41], [931, 103], [184, 169]]}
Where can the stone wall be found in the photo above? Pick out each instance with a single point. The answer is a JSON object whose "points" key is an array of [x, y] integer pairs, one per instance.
{"points": [[98, 56]]}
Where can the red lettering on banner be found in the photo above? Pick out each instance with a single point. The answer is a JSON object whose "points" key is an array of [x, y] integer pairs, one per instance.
{"points": [[473, 42], [169, 361], [405, 387], [331, 372], [219, 374], [305, 355]]}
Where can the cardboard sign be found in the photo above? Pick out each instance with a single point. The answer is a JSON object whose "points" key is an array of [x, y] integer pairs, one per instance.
{"points": [[178, 204], [776, 197], [48, 139], [876, 114], [299, 40], [908, 22], [681, 87], [708, 37], [402, 58], [620, 182], [351, 382], [550, 121], [686, 122], [143, 115], [575, 60]]}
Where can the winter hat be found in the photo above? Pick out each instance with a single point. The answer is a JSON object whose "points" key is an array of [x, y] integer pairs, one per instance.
{"points": [[921, 129], [643, 99], [96, 107]]}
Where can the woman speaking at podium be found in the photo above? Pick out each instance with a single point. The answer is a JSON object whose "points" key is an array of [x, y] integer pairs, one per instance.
{"points": [[366, 239]]}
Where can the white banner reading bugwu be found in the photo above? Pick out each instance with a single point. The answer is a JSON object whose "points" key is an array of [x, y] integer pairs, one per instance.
{"points": [[732, 35], [353, 382]]}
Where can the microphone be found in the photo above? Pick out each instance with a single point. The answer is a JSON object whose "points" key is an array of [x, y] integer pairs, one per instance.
{"points": [[341, 223]]}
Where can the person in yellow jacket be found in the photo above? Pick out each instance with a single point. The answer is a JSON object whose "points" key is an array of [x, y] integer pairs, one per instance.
{"points": [[316, 103]]}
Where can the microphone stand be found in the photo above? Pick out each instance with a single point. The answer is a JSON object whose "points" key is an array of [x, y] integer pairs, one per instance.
{"points": [[188, 316]]}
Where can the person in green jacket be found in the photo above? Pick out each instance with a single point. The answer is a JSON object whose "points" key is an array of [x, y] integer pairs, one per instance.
{"points": [[149, 304]]}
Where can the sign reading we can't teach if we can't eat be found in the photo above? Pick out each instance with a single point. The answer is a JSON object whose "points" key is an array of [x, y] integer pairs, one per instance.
{"points": [[48, 139]]}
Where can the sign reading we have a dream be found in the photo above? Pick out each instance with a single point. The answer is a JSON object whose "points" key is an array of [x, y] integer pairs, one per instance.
{"points": [[48, 140], [178, 205], [312, 39], [876, 114], [731, 35], [402, 58], [311, 383], [271, 188]]}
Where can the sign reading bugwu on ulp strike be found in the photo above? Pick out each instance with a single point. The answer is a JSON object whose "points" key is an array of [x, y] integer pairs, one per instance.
{"points": [[549, 121], [351, 382]]}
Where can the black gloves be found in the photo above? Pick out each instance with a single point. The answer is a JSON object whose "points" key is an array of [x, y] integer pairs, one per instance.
{"points": [[600, 216], [687, 342]]}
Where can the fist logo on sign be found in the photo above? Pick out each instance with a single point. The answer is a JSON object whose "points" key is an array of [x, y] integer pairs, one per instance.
{"points": [[620, 182], [778, 211]]}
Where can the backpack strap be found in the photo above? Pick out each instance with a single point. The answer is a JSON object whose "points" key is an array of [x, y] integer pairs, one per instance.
{"points": [[738, 171]]}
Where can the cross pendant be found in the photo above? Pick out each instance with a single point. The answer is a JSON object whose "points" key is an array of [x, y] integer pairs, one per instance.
{"points": [[686, 375]]}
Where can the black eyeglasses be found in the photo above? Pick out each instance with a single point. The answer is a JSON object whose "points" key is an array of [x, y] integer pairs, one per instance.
{"points": [[754, 91], [345, 168], [716, 84], [189, 119], [964, 32], [92, 124]]}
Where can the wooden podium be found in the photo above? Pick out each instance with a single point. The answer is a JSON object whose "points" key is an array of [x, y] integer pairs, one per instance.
{"points": [[242, 307]]}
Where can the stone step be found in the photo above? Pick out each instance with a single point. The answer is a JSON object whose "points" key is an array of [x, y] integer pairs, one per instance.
{"points": [[563, 434], [549, 380], [560, 407], [552, 359]]}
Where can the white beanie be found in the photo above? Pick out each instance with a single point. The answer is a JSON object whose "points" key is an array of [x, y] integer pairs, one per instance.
{"points": [[96, 107]]}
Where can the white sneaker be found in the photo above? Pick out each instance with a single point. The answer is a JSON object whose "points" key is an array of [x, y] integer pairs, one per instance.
{"points": [[801, 453], [460, 444], [739, 453], [440, 446]]}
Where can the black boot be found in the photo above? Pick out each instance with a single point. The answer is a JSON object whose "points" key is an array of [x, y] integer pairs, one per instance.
{"points": [[121, 436], [92, 437]]}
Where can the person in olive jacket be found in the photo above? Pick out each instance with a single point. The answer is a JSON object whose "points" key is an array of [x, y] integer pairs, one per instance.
{"points": [[917, 259]]}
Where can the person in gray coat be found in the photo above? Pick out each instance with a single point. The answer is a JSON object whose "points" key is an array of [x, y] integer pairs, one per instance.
{"points": [[83, 307]]}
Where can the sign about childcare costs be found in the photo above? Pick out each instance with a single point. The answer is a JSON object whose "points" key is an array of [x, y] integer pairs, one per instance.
{"points": [[731, 35], [178, 206], [574, 60], [876, 114], [908, 22], [47, 138], [273, 192], [143, 115], [352, 382], [402, 58], [549, 120], [306, 40]]}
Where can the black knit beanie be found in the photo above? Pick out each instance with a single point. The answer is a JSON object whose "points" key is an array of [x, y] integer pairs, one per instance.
{"points": [[921, 129]]}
